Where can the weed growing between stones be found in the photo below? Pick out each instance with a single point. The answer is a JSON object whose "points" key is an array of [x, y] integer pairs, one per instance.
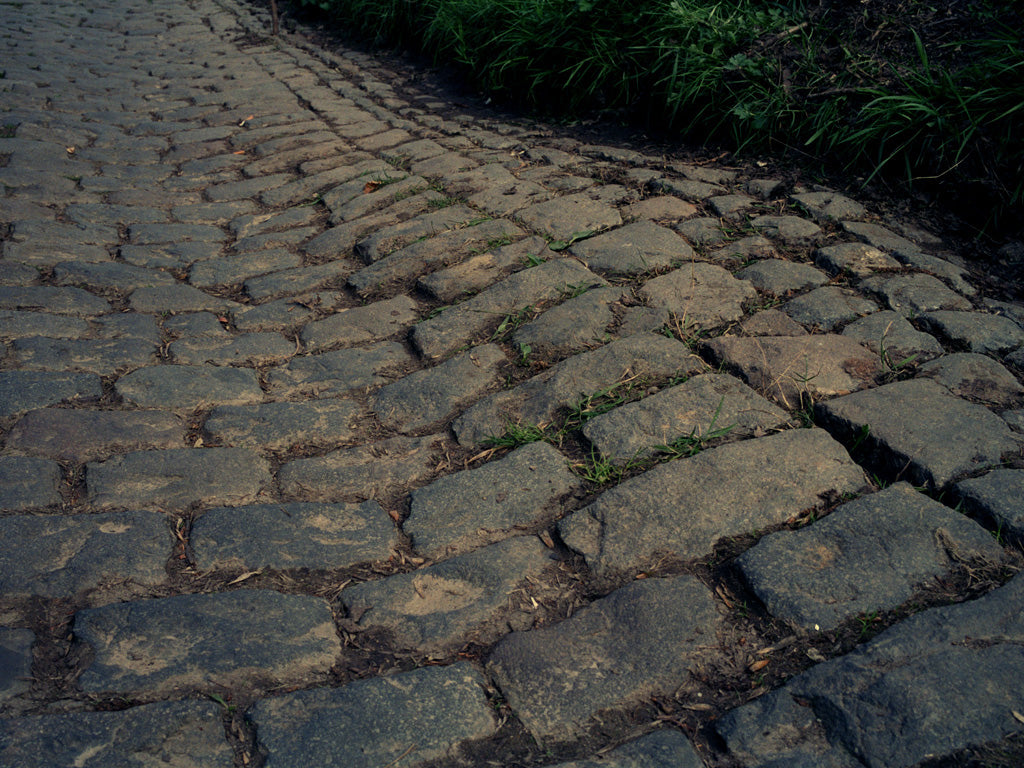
{"points": [[517, 434], [561, 245], [442, 202], [512, 321], [401, 162], [602, 401], [695, 442], [523, 358], [893, 369]]}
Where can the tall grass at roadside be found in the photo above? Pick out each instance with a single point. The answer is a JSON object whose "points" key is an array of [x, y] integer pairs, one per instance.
{"points": [[755, 74], [938, 122]]}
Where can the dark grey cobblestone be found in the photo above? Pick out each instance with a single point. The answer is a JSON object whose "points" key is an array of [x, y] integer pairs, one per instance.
{"points": [[61, 555], [140, 646], [440, 607], [363, 472], [347, 261], [15, 662], [411, 718], [867, 556], [297, 535], [464, 510], [743, 486], [958, 665], [186, 387], [178, 734], [22, 391], [662, 623], [177, 478], [27, 482], [79, 435]]}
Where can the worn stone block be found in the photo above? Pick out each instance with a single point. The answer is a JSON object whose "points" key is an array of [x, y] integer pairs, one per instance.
{"points": [[789, 368], [777, 277], [359, 325], [462, 511], [911, 295], [570, 215], [435, 394], [917, 431], [868, 555], [538, 400], [702, 296], [82, 435], [178, 478], [996, 498], [100, 356], [186, 387], [364, 472], [633, 249], [190, 641], [296, 535], [466, 321], [22, 391], [441, 607], [62, 555], [662, 749], [934, 684], [15, 662], [682, 508], [430, 252], [250, 349], [27, 483], [828, 307], [976, 377], [638, 641], [696, 408], [278, 426], [405, 720], [178, 734]]}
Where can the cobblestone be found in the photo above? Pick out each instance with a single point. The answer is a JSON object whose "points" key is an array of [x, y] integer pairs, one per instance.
{"points": [[461, 511], [296, 535], [663, 623], [865, 557], [178, 734], [300, 412], [60, 556], [463, 323], [177, 478], [139, 646], [79, 435], [728, 491], [187, 387], [413, 718], [15, 662], [440, 607], [28, 482]]}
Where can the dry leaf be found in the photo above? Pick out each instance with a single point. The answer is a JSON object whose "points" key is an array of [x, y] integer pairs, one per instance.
{"points": [[698, 707], [1017, 716], [754, 666], [243, 577], [371, 186]]}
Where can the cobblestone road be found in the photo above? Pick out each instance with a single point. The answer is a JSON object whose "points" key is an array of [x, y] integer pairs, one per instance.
{"points": [[341, 429]]}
